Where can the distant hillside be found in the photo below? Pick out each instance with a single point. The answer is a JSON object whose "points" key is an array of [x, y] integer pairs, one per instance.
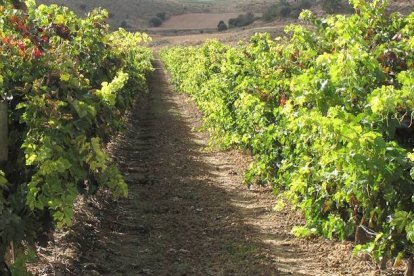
{"points": [[136, 13]]}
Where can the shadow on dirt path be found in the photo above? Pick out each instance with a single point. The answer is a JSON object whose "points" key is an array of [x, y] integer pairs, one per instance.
{"points": [[179, 218], [185, 213]]}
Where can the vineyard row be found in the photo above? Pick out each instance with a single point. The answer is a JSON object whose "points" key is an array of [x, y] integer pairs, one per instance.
{"points": [[66, 82], [327, 112]]}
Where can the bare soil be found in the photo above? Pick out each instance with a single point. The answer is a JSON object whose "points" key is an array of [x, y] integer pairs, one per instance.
{"points": [[196, 21], [188, 211], [232, 36]]}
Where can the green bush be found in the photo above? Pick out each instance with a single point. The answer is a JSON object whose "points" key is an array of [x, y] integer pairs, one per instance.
{"points": [[242, 20], [303, 5], [124, 24], [270, 13], [331, 6], [155, 21], [222, 26], [162, 16], [285, 9], [61, 113]]}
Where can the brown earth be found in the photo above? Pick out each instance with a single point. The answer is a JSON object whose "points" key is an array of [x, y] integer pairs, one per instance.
{"points": [[232, 36], [188, 211], [195, 21]]}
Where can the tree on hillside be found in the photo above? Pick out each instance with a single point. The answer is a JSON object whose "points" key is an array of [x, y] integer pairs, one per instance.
{"points": [[162, 16], [242, 20], [331, 6], [155, 21], [221, 26]]}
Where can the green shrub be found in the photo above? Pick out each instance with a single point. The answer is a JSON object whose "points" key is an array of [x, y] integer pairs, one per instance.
{"points": [[331, 6], [222, 26], [162, 16], [155, 21], [285, 11], [270, 13], [242, 20], [124, 24], [303, 5]]}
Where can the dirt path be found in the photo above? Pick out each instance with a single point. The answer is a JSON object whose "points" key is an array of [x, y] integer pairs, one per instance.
{"points": [[185, 215], [188, 212]]}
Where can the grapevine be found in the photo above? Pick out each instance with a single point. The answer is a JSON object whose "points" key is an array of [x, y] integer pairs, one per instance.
{"points": [[68, 81], [327, 112]]}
